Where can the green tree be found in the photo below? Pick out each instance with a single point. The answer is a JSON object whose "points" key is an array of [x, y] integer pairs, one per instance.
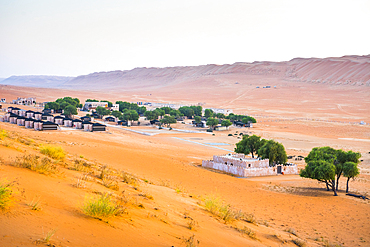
{"points": [[130, 115], [102, 111], [249, 145], [208, 113], [274, 151], [151, 115], [168, 120], [336, 157], [117, 114], [321, 170], [197, 119], [166, 109], [176, 113], [70, 110], [212, 122], [220, 116], [350, 170], [226, 123], [92, 100], [52, 105], [197, 110]]}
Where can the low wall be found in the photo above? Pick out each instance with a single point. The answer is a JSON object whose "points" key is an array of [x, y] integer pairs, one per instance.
{"points": [[249, 172], [236, 170]]}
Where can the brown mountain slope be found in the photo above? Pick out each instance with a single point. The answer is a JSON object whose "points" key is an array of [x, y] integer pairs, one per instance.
{"points": [[352, 70]]}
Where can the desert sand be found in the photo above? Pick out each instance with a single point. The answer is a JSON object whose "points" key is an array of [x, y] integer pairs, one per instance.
{"points": [[299, 114]]}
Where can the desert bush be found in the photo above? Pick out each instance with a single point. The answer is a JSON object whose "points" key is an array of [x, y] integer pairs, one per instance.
{"points": [[35, 204], [102, 207], [6, 194], [192, 224], [110, 184], [247, 231], [299, 242], [3, 134], [191, 241], [53, 152], [80, 165], [219, 208], [37, 164], [250, 218], [129, 179], [292, 231], [147, 196]]}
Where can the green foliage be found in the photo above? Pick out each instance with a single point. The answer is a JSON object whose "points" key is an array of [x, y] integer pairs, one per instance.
{"points": [[151, 115], [131, 106], [350, 170], [54, 152], [249, 145], [249, 119], [212, 122], [208, 113], [68, 104], [102, 111], [101, 207], [129, 115], [220, 116], [70, 110], [117, 114], [191, 111], [6, 191], [198, 119], [176, 113], [226, 123], [338, 158], [168, 120], [234, 117], [92, 100], [273, 151]]}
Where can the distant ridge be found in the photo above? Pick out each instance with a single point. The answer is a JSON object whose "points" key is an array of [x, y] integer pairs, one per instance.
{"points": [[44, 81], [346, 70]]}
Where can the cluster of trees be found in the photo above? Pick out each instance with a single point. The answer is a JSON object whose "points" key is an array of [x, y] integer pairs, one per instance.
{"points": [[265, 149], [245, 119], [191, 111], [130, 106], [68, 104], [327, 165]]}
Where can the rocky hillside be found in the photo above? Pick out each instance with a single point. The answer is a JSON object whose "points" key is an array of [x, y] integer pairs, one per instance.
{"points": [[351, 70]]}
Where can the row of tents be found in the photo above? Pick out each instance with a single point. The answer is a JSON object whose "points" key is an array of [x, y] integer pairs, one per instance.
{"points": [[44, 121]]}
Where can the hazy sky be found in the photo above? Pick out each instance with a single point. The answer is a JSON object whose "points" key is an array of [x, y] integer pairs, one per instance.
{"points": [[62, 37]]}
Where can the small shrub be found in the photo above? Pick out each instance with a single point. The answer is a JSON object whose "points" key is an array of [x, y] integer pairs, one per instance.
{"points": [[292, 231], [6, 194], [250, 218], [53, 152], [209, 130], [191, 241], [224, 211], [3, 134], [101, 207], [49, 235], [80, 183], [35, 163], [230, 135], [192, 224], [247, 231], [299, 242], [147, 196], [110, 184], [80, 165], [35, 204], [129, 179]]}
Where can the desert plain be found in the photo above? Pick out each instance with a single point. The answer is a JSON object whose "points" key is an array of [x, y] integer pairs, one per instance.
{"points": [[165, 206]]}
